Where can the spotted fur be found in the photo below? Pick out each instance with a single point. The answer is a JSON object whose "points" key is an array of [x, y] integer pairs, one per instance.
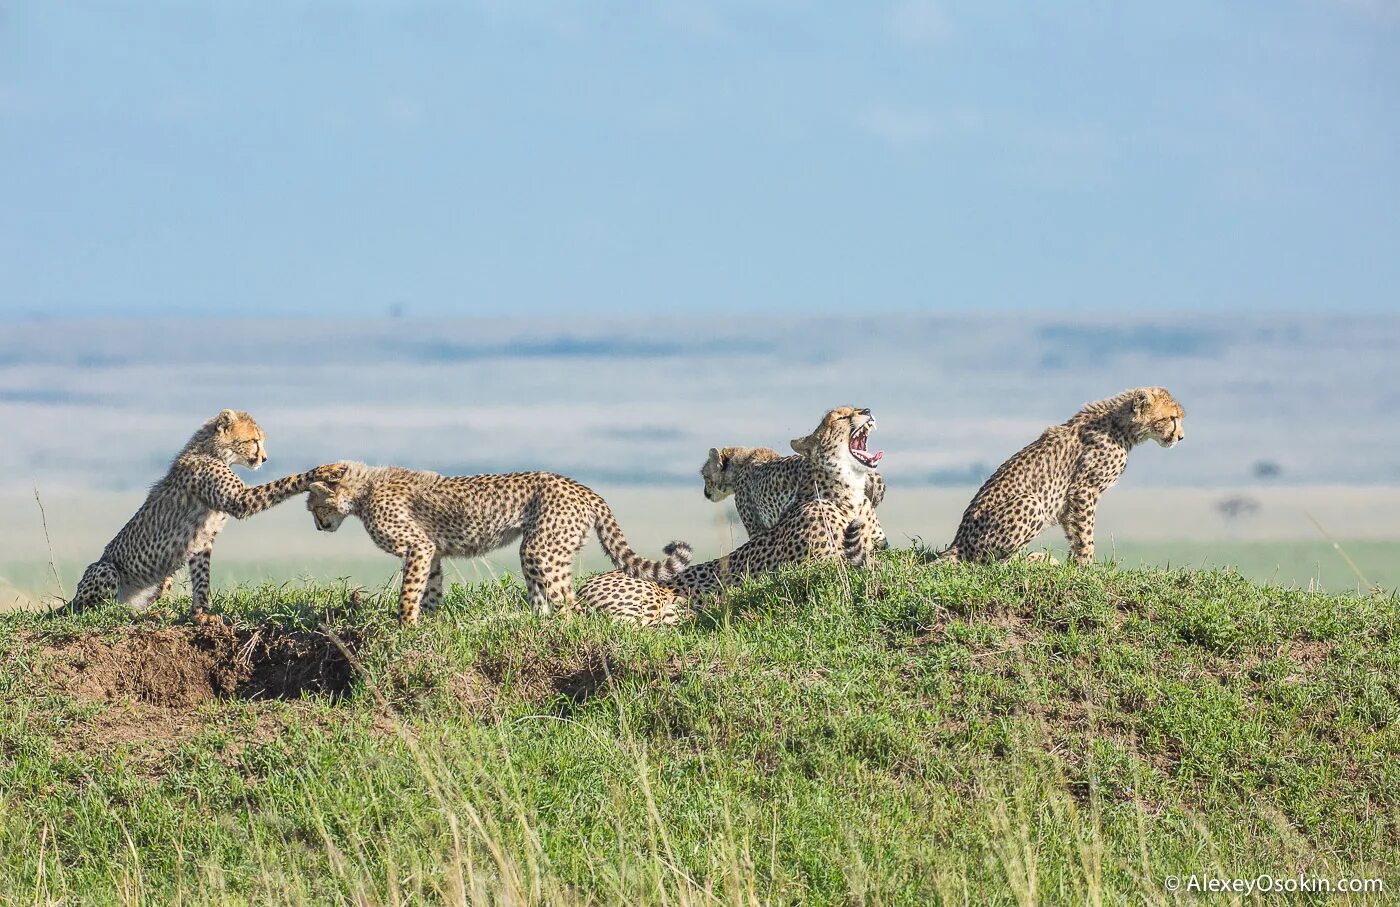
{"points": [[423, 517], [184, 513], [853, 543], [817, 529], [765, 484], [1060, 476]]}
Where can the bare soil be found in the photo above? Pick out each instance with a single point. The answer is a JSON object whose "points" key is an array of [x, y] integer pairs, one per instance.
{"points": [[180, 667]]}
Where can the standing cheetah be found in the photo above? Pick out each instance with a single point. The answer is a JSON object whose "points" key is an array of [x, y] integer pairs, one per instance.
{"points": [[423, 517], [184, 513], [765, 484], [835, 522], [1060, 476]]}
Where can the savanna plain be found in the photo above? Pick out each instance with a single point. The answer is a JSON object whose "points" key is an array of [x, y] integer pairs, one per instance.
{"points": [[1218, 696]]}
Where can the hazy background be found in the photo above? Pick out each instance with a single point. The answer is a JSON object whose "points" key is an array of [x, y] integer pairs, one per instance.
{"points": [[600, 238]]}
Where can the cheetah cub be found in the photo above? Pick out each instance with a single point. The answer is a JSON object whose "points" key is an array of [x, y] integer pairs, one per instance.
{"points": [[423, 517], [1060, 476], [835, 521], [184, 513], [765, 484]]}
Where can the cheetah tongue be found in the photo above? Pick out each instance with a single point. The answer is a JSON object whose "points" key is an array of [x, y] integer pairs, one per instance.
{"points": [[869, 459]]}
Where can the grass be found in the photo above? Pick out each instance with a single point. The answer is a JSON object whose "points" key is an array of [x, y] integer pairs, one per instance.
{"points": [[905, 734], [1313, 563]]}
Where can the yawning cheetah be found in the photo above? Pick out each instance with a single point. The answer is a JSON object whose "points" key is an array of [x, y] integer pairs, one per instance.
{"points": [[1060, 476], [833, 523], [423, 517], [184, 513]]}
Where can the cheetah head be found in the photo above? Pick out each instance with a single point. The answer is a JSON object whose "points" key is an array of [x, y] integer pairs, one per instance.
{"points": [[239, 439], [840, 444], [1158, 416], [714, 473], [725, 465], [331, 502]]}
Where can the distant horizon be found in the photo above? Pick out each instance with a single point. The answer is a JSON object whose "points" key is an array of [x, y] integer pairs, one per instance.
{"points": [[638, 402]]}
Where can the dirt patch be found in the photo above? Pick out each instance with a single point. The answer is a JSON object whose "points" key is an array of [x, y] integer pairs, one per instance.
{"points": [[565, 682], [180, 667], [577, 678], [1310, 655]]}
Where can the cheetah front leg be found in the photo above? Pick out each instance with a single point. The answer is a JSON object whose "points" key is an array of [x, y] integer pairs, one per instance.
{"points": [[878, 541], [1078, 524], [225, 492], [751, 516], [417, 567], [432, 596]]}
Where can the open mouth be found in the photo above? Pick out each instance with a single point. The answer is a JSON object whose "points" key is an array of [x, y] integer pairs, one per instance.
{"points": [[859, 438]]}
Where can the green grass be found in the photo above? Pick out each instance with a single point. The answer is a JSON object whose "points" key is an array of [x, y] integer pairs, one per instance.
{"points": [[1278, 562], [1286, 563], [906, 734]]}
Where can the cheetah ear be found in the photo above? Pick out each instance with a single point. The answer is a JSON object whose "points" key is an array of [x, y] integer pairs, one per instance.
{"points": [[716, 458], [1142, 401], [225, 420], [319, 487], [803, 445]]}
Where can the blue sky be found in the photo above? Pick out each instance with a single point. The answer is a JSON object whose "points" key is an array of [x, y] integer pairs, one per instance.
{"points": [[519, 157]]}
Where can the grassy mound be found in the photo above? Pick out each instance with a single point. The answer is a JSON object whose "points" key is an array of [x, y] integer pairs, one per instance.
{"points": [[905, 734]]}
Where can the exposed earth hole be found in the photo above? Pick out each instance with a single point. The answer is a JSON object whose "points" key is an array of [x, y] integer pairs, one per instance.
{"points": [[180, 667], [589, 679]]}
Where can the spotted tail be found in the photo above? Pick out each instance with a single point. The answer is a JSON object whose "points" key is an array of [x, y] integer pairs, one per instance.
{"points": [[853, 542], [630, 562]]}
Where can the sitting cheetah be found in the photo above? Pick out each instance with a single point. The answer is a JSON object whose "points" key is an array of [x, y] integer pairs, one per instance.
{"points": [[765, 484], [835, 521], [1060, 476], [423, 517], [184, 513]]}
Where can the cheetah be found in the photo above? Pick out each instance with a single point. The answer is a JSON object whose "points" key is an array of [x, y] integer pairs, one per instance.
{"points": [[423, 517], [835, 522], [1061, 475], [184, 513], [765, 484]]}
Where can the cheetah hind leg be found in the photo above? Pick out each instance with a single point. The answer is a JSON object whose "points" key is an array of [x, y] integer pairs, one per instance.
{"points": [[548, 572], [557, 583]]}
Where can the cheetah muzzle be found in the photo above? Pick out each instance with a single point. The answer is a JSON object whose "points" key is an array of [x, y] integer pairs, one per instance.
{"points": [[858, 446]]}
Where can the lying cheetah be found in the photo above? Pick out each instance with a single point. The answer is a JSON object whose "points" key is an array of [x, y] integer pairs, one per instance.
{"points": [[651, 604], [835, 522], [765, 484], [183, 514], [1060, 476], [423, 517]]}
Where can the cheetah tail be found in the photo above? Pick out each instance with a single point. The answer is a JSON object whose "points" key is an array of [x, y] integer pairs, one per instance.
{"points": [[853, 543], [630, 562]]}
